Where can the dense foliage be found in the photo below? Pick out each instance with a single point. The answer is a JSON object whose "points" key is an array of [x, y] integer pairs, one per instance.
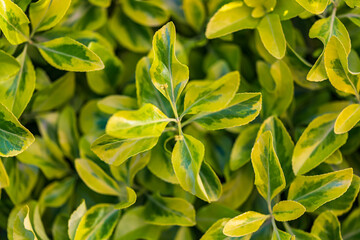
{"points": [[179, 119]]}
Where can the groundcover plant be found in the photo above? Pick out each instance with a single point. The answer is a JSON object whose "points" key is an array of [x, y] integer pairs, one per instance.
{"points": [[179, 119]]}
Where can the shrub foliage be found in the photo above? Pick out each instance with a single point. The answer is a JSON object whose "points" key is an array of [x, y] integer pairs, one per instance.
{"points": [[179, 119]]}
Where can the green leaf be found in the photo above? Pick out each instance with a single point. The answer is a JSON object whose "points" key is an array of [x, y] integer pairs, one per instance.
{"points": [[241, 150], [281, 235], [57, 193], [16, 92], [302, 235], [168, 75], [207, 215], [4, 178], [208, 186], [9, 66], [195, 13], [244, 224], [283, 145], [324, 29], [343, 203], [138, 228], [149, 13], [113, 103], [230, 18], [95, 178], [75, 219], [238, 188], [285, 211], [287, 9], [315, 7], [148, 121], [272, 35], [351, 225], [67, 54], [215, 232], [327, 227], [22, 178], [335, 158], [98, 222], [347, 119], [45, 14], [126, 172], [14, 137], [277, 87], [68, 133], [213, 96], [316, 144], [160, 163], [101, 3], [169, 211], [187, 157], [107, 80], [243, 108], [129, 34], [38, 154], [145, 89], [314, 191], [59, 227], [115, 151], [56, 94], [13, 22], [269, 177], [352, 3], [21, 224], [337, 69]]}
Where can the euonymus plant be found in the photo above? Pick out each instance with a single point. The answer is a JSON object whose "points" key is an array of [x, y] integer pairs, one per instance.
{"points": [[155, 119]]}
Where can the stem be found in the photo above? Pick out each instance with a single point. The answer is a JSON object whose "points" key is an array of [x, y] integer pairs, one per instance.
{"points": [[288, 228], [272, 218]]}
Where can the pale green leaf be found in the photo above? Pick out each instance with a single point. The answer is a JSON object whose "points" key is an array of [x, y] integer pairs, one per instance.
{"points": [[272, 35], [314, 6], [336, 65], [212, 96], [169, 211], [115, 151], [4, 178], [347, 119], [113, 103], [324, 29], [148, 121], [45, 14], [343, 203], [98, 222], [9, 66], [129, 34], [230, 18], [150, 13], [269, 177], [314, 191], [22, 178], [327, 227], [13, 22], [16, 92], [242, 109], [241, 150], [101, 3], [195, 13], [14, 137], [215, 232], [283, 144], [316, 144], [68, 134], [57, 193], [95, 178], [350, 227], [75, 219], [244, 224], [107, 80], [168, 74], [67, 54], [132, 226], [56, 94], [288, 210]]}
